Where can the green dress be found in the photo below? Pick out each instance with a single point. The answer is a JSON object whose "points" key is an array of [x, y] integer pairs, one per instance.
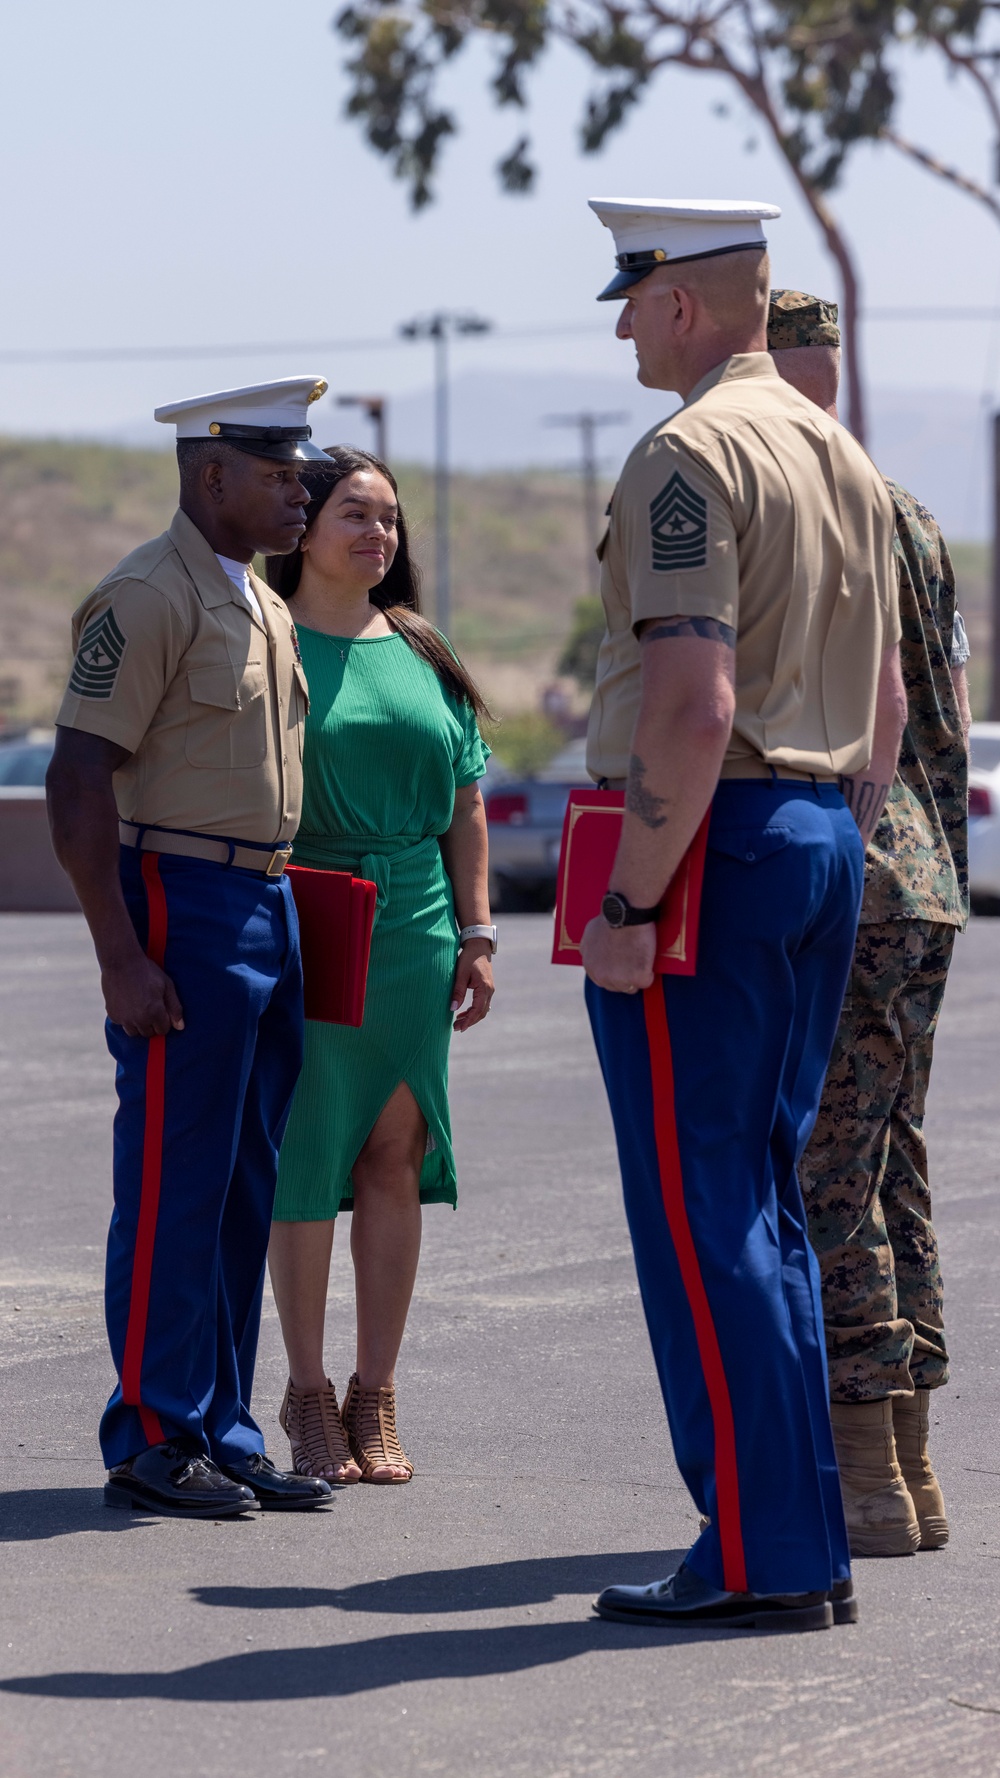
{"points": [[386, 746]]}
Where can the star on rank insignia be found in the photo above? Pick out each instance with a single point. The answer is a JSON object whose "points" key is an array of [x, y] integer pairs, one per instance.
{"points": [[679, 521], [98, 658]]}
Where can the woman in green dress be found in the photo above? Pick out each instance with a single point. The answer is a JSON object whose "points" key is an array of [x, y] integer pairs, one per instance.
{"points": [[392, 759]]}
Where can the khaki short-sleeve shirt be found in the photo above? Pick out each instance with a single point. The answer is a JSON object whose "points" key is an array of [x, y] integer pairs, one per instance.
{"points": [[752, 506], [172, 663]]}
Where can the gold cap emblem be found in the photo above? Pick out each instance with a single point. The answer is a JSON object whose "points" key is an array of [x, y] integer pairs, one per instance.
{"points": [[320, 389], [658, 253], [215, 429]]}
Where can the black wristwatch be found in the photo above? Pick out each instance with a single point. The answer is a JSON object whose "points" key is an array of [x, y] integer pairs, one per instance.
{"points": [[618, 911]]}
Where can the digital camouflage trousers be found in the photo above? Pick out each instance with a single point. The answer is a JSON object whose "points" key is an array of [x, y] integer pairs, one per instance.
{"points": [[864, 1172]]}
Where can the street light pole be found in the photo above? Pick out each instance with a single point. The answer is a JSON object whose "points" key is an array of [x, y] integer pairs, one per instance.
{"points": [[442, 524], [439, 328], [587, 423], [375, 407]]}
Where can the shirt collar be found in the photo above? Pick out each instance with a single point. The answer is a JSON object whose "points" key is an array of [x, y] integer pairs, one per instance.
{"points": [[211, 582], [739, 368]]}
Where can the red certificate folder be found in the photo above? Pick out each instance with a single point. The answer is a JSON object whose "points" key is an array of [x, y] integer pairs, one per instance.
{"points": [[336, 914], [591, 832]]}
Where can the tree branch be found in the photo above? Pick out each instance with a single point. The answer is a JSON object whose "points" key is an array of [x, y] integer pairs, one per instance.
{"points": [[969, 64], [932, 165]]}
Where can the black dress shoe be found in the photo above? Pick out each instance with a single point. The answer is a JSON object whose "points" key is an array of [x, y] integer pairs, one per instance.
{"points": [[278, 1490], [684, 1599], [178, 1480], [845, 1605]]}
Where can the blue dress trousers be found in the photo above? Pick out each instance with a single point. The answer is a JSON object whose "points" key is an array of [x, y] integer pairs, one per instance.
{"points": [[200, 1118], [714, 1082]]}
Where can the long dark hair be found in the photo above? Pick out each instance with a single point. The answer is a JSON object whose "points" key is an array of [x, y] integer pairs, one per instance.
{"points": [[398, 594]]}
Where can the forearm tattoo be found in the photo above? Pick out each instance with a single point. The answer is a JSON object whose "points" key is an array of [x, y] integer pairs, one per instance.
{"points": [[640, 801], [708, 628], [864, 798]]}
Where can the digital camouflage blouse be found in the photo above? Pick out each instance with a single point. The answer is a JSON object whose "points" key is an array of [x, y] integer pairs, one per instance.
{"points": [[916, 867]]}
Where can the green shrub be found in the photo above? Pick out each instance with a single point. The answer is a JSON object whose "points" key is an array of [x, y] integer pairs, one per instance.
{"points": [[579, 657], [525, 742]]}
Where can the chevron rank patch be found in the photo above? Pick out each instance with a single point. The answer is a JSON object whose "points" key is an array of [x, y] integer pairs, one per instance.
{"points": [[98, 658], [679, 520]]}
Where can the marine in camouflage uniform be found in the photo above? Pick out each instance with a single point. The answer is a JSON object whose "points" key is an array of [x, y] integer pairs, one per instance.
{"points": [[864, 1173]]}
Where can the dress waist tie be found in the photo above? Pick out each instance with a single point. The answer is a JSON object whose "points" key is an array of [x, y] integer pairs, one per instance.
{"points": [[371, 856]]}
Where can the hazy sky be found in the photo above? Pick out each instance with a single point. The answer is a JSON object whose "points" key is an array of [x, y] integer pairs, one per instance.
{"points": [[182, 174]]}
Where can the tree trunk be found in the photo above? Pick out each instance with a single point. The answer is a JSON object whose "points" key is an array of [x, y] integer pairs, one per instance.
{"points": [[756, 91], [856, 417]]}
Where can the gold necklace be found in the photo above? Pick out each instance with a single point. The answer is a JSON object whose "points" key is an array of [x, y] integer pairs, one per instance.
{"points": [[362, 632], [365, 626]]}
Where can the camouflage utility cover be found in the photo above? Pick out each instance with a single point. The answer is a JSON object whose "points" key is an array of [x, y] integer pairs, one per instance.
{"points": [[916, 866], [797, 319]]}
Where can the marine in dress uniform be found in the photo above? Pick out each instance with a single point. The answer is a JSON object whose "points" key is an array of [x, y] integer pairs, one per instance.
{"points": [[752, 524], [864, 1173], [175, 792]]}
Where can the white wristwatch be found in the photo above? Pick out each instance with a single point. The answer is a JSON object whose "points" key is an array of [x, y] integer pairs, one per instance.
{"points": [[489, 932]]}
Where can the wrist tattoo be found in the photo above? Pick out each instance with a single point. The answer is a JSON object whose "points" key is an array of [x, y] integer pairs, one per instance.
{"points": [[864, 798], [708, 628], [640, 801]]}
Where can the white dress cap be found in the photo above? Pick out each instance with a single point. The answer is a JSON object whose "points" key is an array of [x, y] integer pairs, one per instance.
{"points": [[265, 419], [656, 231]]}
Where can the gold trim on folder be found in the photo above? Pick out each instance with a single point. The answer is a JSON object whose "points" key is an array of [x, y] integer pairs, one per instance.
{"points": [[677, 952]]}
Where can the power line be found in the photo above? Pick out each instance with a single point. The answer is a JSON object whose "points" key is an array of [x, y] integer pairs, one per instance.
{"points": [[248, 349], [266, 348], [991, 314]]}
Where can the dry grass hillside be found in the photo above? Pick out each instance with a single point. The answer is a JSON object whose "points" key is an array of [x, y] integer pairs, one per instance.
{"points": [[68, 512]]}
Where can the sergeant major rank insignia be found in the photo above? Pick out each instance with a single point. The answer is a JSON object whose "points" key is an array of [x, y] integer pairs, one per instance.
{"points": [[679, 522], [98, 658]]}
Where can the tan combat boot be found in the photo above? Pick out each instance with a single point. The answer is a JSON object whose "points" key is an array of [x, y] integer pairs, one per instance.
{"points": [[881, 1518], [909, 1424]]}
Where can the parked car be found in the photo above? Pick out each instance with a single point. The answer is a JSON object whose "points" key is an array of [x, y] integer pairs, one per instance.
{"points": [[525, 817], [24, 758], [31, 880], [984, 817]]}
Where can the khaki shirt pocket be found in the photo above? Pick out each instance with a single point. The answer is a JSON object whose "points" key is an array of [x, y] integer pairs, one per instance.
{"points": [[227, 724]]}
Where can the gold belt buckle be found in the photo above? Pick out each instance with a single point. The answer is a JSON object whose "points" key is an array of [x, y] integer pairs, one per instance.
{"points": [[277, 861]]}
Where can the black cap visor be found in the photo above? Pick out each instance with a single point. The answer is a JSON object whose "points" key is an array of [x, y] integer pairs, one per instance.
{"points": [[623, 281], [281, 444], [633, 267]]}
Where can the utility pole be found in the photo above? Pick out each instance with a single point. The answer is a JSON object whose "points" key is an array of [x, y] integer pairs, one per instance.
{"points": [[588, 423], [439, 328], [375, 407], [995, 638]]}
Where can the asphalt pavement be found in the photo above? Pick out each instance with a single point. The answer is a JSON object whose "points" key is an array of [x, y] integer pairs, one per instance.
{"points": [[318, 1643]]}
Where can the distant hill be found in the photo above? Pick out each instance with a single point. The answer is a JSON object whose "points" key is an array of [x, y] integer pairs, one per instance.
{"points": [[935, 443], [69, 512]]}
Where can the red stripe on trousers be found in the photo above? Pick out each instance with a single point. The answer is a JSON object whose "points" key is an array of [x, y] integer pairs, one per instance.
{"points": [[152, 1168], [727, 1488]]}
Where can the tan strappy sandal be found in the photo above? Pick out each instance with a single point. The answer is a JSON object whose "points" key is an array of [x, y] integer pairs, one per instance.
{"points": [[369, 1417], [316, 1433]]}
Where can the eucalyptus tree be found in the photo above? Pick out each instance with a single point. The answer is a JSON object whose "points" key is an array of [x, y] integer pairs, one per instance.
{"points": [[820, 76]]}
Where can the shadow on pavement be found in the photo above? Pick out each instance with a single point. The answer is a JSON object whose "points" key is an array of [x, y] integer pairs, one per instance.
{"points": [[338, 1671], [488, 1587], [30, 1513]]}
